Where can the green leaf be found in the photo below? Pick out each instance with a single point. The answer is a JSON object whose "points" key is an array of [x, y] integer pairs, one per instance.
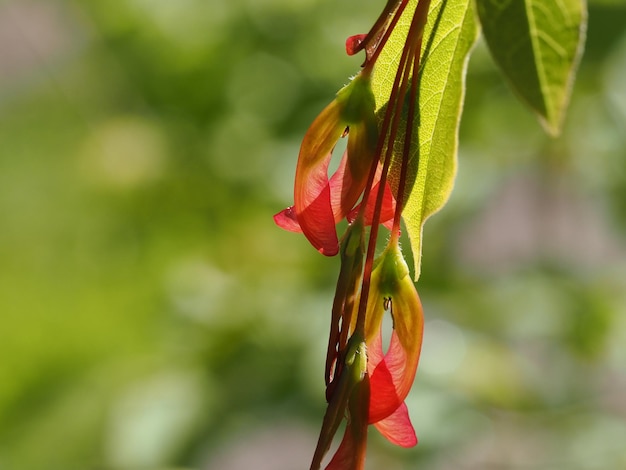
{"points": [[537, 44], [450, 32]]}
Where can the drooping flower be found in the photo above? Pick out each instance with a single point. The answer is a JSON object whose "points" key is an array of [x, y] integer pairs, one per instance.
{"points": [[366, 384], [321, 202], [392, 373], [372, 391]]}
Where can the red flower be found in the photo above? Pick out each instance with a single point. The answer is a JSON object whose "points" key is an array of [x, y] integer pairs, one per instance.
{"points": [[319, 202], [370, 386], [392, 373], [365, 384]]}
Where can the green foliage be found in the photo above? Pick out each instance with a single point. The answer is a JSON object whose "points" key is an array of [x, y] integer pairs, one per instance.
{"points": [[538, 45]]}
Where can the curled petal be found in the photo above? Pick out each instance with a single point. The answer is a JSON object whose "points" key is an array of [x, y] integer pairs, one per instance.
{"points": [[392, 373], [387, 211], [312, 200], [348, 182], [287, 219], [344, 190], [345, 186], [343, 195], [397, 428], [320, 202]]}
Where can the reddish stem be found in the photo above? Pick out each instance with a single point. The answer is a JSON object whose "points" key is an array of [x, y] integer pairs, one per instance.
{"points": [[419, 21], [386, 142], [383, 29]]}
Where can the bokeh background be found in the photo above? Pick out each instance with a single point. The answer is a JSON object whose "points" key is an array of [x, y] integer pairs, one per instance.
{"points": [[153, 317]]}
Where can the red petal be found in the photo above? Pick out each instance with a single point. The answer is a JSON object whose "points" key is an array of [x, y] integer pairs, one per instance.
{"points": [[392, 373], [315, 215], [397, 428], [312, 188], [388, 377], [388, 208], [345, 190], [286, 219], [341, 187]]}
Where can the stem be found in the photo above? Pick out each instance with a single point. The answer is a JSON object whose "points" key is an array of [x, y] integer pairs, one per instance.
{"points": [[340, 395], [381, 23], [386, 142], [419, 20], [378, 46]]}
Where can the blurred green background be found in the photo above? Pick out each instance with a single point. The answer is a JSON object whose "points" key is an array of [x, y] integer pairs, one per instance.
{"points": [[153, 317]]}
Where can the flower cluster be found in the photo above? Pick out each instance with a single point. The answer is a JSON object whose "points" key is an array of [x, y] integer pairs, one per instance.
{"points": [[366, 383], [321, 202]]}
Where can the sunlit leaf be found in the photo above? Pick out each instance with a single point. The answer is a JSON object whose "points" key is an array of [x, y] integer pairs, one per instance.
{"points": [[537, 44], [449, 35]]}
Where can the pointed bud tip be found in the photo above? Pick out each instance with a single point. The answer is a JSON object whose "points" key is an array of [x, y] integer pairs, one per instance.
{"points": [[287, 220], [354, 44]]}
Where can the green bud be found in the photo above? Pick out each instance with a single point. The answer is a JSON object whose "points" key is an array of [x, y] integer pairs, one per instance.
{"points": [[392, 270], [356, 358], [353, 243]]}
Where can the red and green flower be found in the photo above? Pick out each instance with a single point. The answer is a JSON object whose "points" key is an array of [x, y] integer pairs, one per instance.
{"points": [[366, 383]]}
